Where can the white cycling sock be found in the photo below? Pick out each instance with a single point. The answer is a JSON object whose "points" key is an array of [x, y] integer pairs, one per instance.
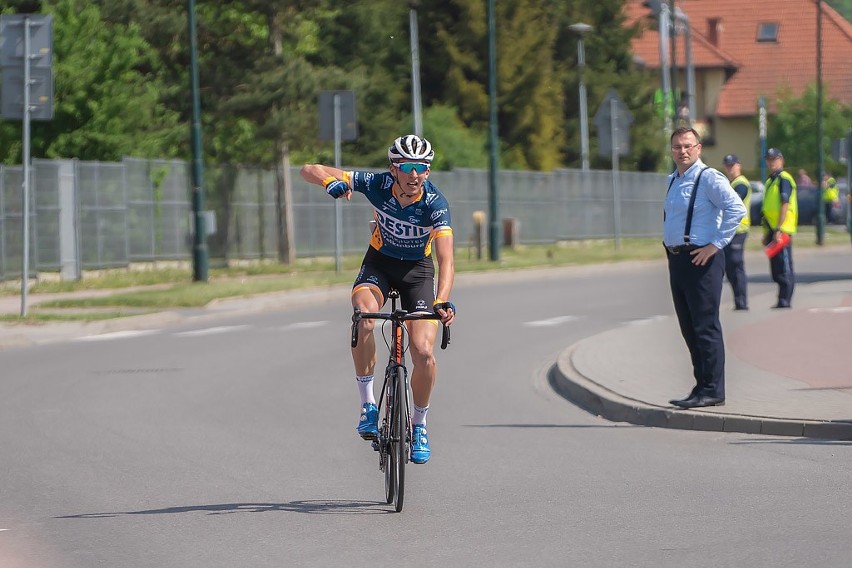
{"points": [[365, 388], [419, 416]]}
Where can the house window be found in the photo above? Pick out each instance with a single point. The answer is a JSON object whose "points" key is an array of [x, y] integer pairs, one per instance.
{"points": [[767, 31]]}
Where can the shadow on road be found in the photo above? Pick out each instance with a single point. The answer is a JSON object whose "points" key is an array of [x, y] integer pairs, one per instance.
{"points": [[337, 507], [803, 278], [548, 426]]}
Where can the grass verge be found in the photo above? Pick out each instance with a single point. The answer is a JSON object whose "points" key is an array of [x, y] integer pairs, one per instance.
{"points": [[167, 288]]}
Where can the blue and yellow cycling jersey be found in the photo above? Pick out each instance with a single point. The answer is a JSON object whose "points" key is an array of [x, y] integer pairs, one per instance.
{"points": [[405, 233]]}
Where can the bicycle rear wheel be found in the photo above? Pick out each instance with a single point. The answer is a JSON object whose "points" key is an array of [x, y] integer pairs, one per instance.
{"points": [[400, 437]]}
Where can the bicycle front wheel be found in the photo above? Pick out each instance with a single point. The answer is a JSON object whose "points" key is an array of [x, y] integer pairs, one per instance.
{"points": [[385, 446], [400, 437]]}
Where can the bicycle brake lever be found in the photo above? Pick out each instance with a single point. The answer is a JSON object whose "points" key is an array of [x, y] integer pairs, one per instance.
{"points": [[356, 317]]}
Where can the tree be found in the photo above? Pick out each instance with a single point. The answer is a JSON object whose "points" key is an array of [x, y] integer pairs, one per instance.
{"points": [[96, 83], [842, 6], [609, 65], [455, 144], [793, 129], [528, 86]]}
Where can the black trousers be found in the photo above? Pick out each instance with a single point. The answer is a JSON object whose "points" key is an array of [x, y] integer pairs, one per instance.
{"points": [[781, 267], [696, 293], [735, 270]]}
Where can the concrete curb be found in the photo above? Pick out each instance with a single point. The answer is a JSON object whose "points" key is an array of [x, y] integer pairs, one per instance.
{"points": [[601, 401]]}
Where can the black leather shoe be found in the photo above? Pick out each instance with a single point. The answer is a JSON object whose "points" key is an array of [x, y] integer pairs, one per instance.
{"points": [[678, 401], [699, 401]]}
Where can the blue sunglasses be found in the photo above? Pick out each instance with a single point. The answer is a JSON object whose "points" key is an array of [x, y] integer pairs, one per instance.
{"points": [[409, 167]]}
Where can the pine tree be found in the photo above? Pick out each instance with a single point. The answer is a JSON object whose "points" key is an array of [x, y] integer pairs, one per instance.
{"points": [[529, 89]]}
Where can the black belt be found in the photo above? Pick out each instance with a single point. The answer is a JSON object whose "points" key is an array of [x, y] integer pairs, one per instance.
{"points": [[681, 248]]}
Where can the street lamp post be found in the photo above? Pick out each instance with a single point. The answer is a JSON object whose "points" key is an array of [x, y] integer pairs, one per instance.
{"points": [[580, 29], [199, 246]]}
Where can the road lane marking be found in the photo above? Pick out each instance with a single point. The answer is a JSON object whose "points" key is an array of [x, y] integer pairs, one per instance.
{"points": [[302, 325], [646, 321], [559, 320], [840, 310], [118, 335], [211, 330]]}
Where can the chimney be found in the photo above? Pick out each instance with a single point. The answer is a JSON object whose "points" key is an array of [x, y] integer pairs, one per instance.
{"points": [[714, 32]]}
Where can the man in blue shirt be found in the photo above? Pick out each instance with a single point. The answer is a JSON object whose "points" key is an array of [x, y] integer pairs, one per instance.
{"points": [[701, 215]]}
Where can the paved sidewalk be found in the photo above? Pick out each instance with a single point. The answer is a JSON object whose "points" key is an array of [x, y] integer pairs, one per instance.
{"points": [[798, 388]]}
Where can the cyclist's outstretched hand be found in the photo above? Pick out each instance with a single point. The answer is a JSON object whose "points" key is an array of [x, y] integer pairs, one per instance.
{"points": [[336, 188], [447, 311]]}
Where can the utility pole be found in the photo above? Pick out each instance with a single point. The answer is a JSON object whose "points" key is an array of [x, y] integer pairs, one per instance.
{"points": [[416, 104], [199, 243], [820, 225], [581, 29], [673, 38], [493, 221]]}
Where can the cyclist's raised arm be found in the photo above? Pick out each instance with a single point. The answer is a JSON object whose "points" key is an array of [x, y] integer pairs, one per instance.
{"points": [[328, 178], [317, 173]]}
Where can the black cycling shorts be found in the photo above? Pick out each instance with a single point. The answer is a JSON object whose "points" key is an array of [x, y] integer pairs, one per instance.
{"points": [[415, 279]]}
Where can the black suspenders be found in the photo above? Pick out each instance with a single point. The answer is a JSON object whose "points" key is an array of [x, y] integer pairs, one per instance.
{"points": [[691, 203]]}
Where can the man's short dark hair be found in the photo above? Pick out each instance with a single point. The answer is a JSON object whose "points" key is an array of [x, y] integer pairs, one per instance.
{"points": [[683, 130]]}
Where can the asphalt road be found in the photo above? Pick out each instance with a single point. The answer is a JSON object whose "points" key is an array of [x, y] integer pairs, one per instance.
{"points": [[234, 444]]}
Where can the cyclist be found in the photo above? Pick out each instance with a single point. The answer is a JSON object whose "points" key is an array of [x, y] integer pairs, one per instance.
{"points": [[412, 217]]}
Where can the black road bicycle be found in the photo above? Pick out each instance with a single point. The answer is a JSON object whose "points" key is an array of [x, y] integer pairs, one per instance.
{"points": [[394, 441]]}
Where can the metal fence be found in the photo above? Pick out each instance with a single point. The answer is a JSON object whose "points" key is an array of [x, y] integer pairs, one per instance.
{"points": [[94, 215]]}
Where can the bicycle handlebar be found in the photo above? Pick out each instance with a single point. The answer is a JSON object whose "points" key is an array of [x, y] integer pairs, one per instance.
{"points": [[397, 316]]}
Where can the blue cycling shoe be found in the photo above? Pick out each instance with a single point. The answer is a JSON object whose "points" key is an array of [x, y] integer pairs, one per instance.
{"points": [[420, 451], [368, 424]]}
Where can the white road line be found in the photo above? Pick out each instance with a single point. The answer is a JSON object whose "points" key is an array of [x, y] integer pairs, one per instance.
{"points": [[1, 530], [559, 320], [118, 335], [840, 310], [646, 321], [211, 330], [302, 325]]}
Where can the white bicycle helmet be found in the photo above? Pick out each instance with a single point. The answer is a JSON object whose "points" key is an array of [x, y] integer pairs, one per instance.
{"points": [[411, 147]]}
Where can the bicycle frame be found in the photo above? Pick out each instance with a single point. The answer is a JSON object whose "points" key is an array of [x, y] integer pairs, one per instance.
{"points": [[394, 443]]}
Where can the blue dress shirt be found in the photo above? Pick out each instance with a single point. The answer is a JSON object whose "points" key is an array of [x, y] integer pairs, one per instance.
{"points": [[717, 213]]}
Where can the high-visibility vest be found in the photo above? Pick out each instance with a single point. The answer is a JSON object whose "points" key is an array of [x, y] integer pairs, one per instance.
{"points": [[771, 207], [831, 193], [745, 224]]}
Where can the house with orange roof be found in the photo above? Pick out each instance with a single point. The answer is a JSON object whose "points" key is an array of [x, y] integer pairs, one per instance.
{"points": [[742, 51]]}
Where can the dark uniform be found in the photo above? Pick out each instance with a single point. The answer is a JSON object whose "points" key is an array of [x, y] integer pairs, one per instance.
{"points": [[735, 251], [781, 189]]}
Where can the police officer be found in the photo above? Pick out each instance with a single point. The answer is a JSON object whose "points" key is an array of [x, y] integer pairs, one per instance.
{"points": [[734, 252], [830, 195], [780, 212]]}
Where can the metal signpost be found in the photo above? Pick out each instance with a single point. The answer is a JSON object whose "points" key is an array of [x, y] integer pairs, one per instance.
{"points": [[613, 121], [761, 103], [337, 122], [27, 94], [841, 151]]}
